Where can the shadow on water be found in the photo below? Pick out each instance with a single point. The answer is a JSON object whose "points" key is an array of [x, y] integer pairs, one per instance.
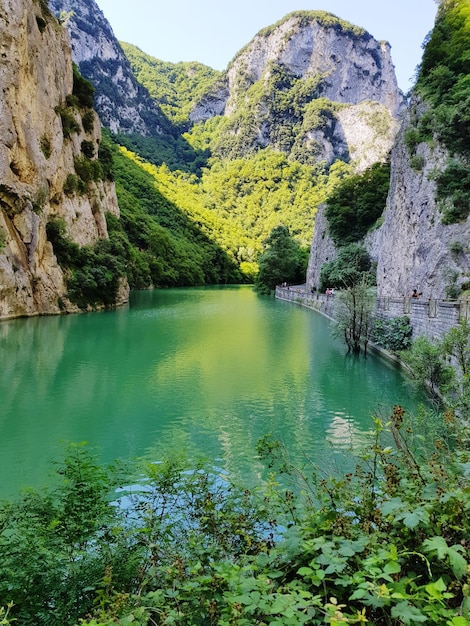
{"points": [[200, 372]]}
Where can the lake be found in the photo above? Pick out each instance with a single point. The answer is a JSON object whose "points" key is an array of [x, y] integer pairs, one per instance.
{"points": [[206, 372]]}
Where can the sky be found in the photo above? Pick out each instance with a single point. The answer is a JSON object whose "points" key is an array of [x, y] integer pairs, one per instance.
{"points": [[213, 31]]}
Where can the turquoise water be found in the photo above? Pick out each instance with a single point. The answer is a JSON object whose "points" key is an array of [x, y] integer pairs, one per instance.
{"points": [[203, 371]]}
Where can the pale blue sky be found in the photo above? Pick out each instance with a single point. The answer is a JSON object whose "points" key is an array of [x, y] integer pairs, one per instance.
{"points": [[213, 31]]}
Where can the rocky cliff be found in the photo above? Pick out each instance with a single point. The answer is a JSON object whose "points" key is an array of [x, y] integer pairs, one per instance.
{"points": [[42, 134], [313, 86], [123, 105], [414, 248]]}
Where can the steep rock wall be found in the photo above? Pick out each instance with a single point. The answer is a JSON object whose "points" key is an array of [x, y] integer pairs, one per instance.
{"points": [[336, 62], [121, 102], [322, 249], [413, 248], [36, 159]]}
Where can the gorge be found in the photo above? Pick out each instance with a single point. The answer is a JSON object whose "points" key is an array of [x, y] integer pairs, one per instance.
{"points": [[321, 99]]}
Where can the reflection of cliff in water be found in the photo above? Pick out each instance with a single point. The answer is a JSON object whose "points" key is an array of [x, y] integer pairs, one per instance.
{"points": [[203, 372]]}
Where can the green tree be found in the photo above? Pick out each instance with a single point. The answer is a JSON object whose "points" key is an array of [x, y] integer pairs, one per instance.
{"points": [[353, 308], [357, 203], [352, 264], [282, 261], [427, 367], [456, 345]]}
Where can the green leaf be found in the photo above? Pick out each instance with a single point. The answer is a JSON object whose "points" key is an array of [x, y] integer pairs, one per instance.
{"points": [[358, 594], [407, 613], [392, 567], [437, 545], [458, 621], [411, 519], [457, 562], [391, 506], [436, 588]]}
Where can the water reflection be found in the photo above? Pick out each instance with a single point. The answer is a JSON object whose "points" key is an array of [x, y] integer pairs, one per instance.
{"points": [[204, 371]]}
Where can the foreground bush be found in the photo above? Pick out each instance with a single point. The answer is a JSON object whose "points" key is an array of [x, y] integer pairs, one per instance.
{"points": [[386, 544]]}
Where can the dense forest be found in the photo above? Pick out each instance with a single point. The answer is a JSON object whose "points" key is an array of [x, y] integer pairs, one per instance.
{"points": [[443, 82]]}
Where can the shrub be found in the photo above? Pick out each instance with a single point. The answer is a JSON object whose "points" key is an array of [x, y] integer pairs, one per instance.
{"points": [[93, 272], [383, 544], [105, 157], [417, 163], [348, 269], [88, 149], [69, 123], [88, 169], [46, 147], [427, 367], [393, 334], [83, 89], [71, 185], [88, 121]]}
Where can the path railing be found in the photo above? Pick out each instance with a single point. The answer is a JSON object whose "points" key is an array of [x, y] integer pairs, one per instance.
{"points": [[428, 316]]}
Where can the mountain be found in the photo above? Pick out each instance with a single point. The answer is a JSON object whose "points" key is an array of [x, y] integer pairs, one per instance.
{"points": [[207, 164], [52, 171], [423, 240], [121, 102], [177, 87], [312, 86]]}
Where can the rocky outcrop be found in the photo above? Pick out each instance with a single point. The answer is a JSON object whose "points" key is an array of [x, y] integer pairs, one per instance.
{"points": [[284, 81], [322, 250], [123, 105], [37, 157], [413, 248]]}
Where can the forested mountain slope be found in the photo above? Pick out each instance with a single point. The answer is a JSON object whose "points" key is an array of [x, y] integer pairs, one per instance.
{"points": [[308, 102], [177, 87]]}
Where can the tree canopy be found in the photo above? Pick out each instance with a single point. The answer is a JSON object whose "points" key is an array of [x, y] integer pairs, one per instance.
{"points": [[356, 204], [281, 261]]}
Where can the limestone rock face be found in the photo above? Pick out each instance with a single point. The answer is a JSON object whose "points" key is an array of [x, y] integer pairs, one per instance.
{"points": [[322, 250], [413, 248], [335, 62], [354, 66], [36, 159], [121, 102]]}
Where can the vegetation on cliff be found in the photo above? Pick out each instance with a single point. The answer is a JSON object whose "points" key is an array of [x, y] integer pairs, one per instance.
{"points": [[357, 203], [443, 82]]}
